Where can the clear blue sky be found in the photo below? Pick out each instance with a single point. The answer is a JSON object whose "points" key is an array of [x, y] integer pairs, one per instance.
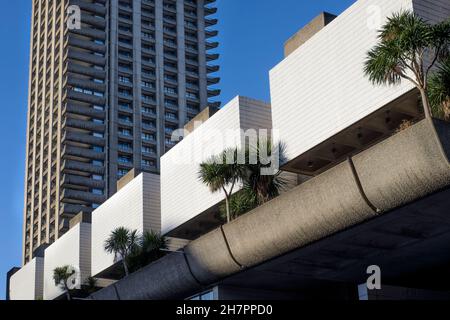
{"points": [[252, 33]]}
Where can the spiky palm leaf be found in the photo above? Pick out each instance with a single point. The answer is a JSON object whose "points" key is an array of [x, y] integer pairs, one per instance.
{"points": [[122, 242], [153, 241], [240, 203], [264, 186], [61, 276], [220, 170], [439, 90], [404, 44]]}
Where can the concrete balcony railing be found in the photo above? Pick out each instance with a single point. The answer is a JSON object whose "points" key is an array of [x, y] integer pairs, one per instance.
{"points": [[210, 22], [86, 84], [69, 179], [90, 7], [75, 41], [84, 111], [83, 138], [70, 195], [72, 165], [93, 20], [83, 124], [212, 69], [211, 33], [76, 68], [212, 81], [86, 57], [69, 150], [213, 93], [91, 33], [69, 210], [210, 10], [212, 57], [406, 167], [83, 97]]}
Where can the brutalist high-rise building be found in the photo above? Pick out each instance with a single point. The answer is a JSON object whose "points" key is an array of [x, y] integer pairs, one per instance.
{"points": [[105, 96]]}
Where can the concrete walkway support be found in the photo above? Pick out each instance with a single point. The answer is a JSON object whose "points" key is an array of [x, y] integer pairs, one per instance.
{"points": [[400, 170]]}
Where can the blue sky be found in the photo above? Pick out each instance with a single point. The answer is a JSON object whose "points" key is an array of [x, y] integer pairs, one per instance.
{"points": [[252, 33]]}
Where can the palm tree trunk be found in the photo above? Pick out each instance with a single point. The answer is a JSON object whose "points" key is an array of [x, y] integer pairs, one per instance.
{"points": [[446, 107], [227, 204], [426, 104], [125, 267], [67, 292]]}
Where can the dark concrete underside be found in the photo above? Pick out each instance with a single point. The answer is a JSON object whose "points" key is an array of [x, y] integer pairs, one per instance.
{"points": [[386, 206], [410, 244]]}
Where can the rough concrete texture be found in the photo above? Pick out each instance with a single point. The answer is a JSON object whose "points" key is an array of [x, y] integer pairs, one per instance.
{"points": [[402, 169], [443, 131], [405, 167], [313, 210], [167, 278], [208, 258]]}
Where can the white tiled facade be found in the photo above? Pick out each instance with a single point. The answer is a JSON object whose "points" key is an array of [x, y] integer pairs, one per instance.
{"points": [[74, 250], [183, 195], [136, 207], [27, 283], [320, 89]]}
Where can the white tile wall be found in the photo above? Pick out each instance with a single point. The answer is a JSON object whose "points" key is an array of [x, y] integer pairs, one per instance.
{"points": [[125, 209], [27, 283], [320, 89], [72, 249], [183, 196]]}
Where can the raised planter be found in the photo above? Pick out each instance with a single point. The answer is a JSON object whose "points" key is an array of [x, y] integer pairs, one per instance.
{"points": [[406, 167]]}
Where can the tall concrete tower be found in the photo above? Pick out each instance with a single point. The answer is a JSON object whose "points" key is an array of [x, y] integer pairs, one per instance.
{"points": [[105, 95]]}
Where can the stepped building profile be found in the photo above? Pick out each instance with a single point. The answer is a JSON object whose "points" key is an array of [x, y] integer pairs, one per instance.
{"points": [[104, 98], [363, 192]]}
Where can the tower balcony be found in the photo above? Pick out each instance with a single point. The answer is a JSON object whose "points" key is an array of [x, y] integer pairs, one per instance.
{"points": [[68, 180], [211, 45], [83, 138], [83, 111], [71, 195], [72, 165], [97, 9], [72, 151], [87, 71], [83, 97], [210, 22]]}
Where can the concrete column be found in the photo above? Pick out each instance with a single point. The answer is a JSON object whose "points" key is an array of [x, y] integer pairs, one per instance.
{"points": [[182, 112], [159, 47], [202, 55], [112, 106], [137, 89]]}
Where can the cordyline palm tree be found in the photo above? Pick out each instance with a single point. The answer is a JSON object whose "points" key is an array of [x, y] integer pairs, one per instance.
{"points": [[62, 276], [264, 186], [220, 175], [91, 285], [439, 90], [152, 246], [122, 243], [406, 43], [258, 186], [240, 203]]}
